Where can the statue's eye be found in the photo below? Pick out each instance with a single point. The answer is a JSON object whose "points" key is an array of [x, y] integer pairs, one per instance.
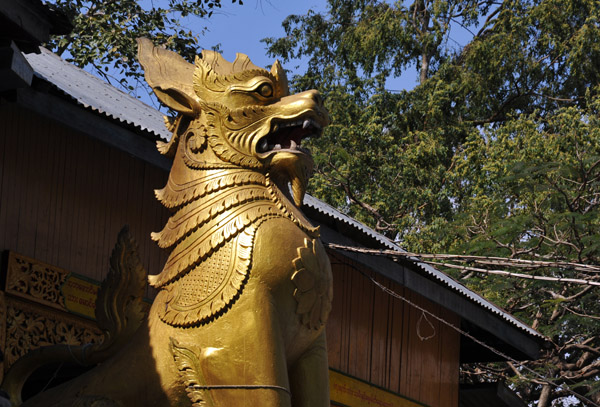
{"points": [[265, 90]]}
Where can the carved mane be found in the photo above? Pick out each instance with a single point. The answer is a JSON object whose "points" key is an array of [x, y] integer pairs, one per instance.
{"points": [[219, 192]]}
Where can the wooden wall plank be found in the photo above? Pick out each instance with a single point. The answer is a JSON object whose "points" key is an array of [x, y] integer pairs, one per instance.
{"points": [[380, 336], [406, 372], [64, 196], [11, 178], [334, 326], [449, 354], [347, 319], [395, 343], [96, 217], [429, 337], [60, 144], [80, 201], [45, 204], [144, 209], [26, 230], [35, 196], [67, 208], [393, 356], [3, 158], [360, 327]]}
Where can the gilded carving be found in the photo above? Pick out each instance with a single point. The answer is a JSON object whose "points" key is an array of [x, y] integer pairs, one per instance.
{"points": [[190, 370], [30, 326], [120, 309], [245, 293], [209, 288], [30, 278], [314, 290], [43, 336]]}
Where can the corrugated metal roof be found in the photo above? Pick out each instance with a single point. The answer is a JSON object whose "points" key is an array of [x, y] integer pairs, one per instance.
{"points": [[441, 277], [95, 94]]}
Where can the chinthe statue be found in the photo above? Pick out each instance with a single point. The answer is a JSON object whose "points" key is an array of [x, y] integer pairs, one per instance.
{"points": [[239, 318]]}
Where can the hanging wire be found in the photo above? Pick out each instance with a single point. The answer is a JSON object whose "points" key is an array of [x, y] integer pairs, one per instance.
{"points": [[471, 337], [497, 261], [419, 323]]}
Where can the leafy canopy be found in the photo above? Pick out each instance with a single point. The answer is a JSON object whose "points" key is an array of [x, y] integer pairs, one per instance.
{"points": [[494, 152], [104, 33]]}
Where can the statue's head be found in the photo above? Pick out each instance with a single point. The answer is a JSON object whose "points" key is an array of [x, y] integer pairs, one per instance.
{"points": [[235, 115]]}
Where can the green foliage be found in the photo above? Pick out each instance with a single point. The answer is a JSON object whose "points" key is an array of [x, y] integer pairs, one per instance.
{"points": [[104, 33], [495, 152]]}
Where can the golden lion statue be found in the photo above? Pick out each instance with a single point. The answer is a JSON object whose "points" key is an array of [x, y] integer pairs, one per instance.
{"points": [[245, 294]]}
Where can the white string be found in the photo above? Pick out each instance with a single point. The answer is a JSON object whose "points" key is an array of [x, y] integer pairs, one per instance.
{"points": [[485, 345], [466, 334], [419, 322]]}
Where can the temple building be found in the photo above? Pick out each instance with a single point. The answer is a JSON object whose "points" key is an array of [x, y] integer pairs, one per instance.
{"points": [[78, 161]]}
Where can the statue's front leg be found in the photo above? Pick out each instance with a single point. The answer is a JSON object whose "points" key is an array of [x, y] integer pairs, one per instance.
{"points": [[309, 376], [238, 360]]}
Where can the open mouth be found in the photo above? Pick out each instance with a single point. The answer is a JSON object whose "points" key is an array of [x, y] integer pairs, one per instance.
{"points": [[288, 136]]}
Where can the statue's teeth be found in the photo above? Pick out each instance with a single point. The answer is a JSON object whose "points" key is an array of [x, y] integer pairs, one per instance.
{"points": [[306, 124], [293, 144], [277, 147]]}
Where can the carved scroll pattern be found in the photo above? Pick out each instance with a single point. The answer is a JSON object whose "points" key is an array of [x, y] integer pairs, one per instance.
{"points": [[29, 326], [33, 279]]}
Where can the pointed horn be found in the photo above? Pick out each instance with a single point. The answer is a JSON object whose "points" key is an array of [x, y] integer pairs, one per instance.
{"points": [[279, 73]]}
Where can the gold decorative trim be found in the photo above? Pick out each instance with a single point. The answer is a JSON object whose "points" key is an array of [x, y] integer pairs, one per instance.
{"points": [[202, 242], [211, 286], [314, 288], [29, 326], [190, 373], [174, 195], [51, 286], [31, 279]]}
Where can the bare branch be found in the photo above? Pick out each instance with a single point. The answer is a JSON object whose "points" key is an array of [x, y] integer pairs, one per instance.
{"points": [[398, 254]]}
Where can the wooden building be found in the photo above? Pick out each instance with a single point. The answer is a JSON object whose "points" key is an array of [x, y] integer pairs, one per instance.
{"points": [[78, 161]]}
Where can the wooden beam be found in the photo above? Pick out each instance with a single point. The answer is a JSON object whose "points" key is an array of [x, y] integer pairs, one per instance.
{"points": [[15, 71]]}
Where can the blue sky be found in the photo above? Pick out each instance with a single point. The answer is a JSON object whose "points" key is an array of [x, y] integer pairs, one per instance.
{"points": [[240, 28]]}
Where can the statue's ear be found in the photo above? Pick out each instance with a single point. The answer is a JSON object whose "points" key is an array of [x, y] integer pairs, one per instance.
{"points": [[170, 76], [178, 101]]}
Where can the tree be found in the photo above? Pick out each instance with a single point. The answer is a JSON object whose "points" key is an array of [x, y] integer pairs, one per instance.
{"points": [[104, 33], [533, 192], [495, 152]]}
